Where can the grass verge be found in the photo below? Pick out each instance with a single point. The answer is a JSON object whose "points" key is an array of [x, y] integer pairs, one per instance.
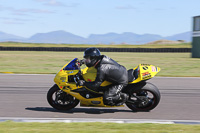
{"points": [[171, 64], [17, 44], [17, 127]]}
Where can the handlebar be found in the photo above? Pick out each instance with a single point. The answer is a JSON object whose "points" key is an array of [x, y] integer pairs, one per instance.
{"points": [[81, 62]]}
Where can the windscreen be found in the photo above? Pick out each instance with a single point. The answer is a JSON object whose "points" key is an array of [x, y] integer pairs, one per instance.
{"points": [[72, 65]]}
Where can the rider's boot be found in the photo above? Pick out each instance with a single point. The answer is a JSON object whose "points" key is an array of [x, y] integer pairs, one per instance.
{"points": [[123, 98]]}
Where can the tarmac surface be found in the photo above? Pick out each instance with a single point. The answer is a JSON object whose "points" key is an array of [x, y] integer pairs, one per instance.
{"points": [[24, 96]]}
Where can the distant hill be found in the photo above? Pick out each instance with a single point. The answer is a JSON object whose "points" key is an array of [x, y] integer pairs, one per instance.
{"points": [[59, 37], [127, 37], [9, 37], [187, 36], [56, 37]]}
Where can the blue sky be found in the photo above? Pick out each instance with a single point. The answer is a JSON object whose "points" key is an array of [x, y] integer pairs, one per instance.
{"points": [[84, 17]]}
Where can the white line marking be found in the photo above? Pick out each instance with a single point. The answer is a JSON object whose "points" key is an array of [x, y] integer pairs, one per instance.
{"points": [[69, 120]]}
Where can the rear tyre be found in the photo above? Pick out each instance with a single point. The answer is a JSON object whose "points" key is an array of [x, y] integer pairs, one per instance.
{"points": [[60, 100], [147, 98]]}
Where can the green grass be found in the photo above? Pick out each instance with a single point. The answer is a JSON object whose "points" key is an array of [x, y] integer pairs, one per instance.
{"points": [[17, 127], [15, 44], [171, 64]]}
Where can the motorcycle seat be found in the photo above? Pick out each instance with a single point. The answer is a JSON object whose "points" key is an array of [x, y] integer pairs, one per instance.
{"points": [[132, 75]]}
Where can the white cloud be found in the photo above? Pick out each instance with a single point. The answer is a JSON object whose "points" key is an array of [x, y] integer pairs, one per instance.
{"points": [[41, 0], [12, 22], [7, 20], [26, 10], [54, 3], [51, 2]]}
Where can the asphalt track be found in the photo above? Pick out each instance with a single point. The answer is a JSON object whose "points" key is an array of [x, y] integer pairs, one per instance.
{"points": [[24, 96]]}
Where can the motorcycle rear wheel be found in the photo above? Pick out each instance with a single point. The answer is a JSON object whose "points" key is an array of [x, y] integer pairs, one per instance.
{"points": [[60, 100], [150, 96]]}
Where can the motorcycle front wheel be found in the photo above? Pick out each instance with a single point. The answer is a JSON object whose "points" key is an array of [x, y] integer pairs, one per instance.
{"points": [[144, 99], [60, 100]]}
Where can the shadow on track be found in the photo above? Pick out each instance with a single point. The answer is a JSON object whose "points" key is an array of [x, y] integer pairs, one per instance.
{"points": [[78, 110]]}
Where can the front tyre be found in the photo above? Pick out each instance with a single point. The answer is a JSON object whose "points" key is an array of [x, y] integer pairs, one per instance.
{"points": [[60, 100], [144, 99]]}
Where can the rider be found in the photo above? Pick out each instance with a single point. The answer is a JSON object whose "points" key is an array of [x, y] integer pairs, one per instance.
{"points": [[109, 70]]}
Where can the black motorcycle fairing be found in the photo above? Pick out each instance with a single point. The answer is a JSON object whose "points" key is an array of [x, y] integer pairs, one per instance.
{"points": [[132, 75], [136, 87]]}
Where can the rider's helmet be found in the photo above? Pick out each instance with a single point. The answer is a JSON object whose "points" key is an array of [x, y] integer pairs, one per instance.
{"points": [[91, 55]]}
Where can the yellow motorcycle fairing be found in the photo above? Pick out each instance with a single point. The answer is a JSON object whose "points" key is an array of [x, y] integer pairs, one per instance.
{"points": [[89, 74], [84, 101], [145, 72], [61, 78]]}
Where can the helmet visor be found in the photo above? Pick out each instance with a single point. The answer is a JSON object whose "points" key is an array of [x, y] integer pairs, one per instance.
{"points": [[87, 60]]}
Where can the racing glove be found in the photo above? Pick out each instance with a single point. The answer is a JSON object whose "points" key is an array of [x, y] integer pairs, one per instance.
{"points": [[81, 62]]}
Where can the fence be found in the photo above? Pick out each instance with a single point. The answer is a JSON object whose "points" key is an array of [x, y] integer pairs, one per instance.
{"points": [[73, 49]]}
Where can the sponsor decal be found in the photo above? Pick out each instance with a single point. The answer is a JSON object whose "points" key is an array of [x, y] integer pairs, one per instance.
{"points": [[145, 68], [146, 75], [145, 64], [63, 79], [153, 68]]}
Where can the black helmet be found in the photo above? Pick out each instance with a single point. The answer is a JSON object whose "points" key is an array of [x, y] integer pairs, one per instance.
{"points": [[91, 55]]}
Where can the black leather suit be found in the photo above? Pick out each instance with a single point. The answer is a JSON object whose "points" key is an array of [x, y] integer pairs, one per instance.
{"points": [[109, 70]]}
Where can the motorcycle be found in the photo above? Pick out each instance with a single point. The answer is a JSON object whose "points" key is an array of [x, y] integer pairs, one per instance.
{"points": [[65, 94]]}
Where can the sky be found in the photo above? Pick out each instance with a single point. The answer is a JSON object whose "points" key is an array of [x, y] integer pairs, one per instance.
{"points": [[85, 17]]}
